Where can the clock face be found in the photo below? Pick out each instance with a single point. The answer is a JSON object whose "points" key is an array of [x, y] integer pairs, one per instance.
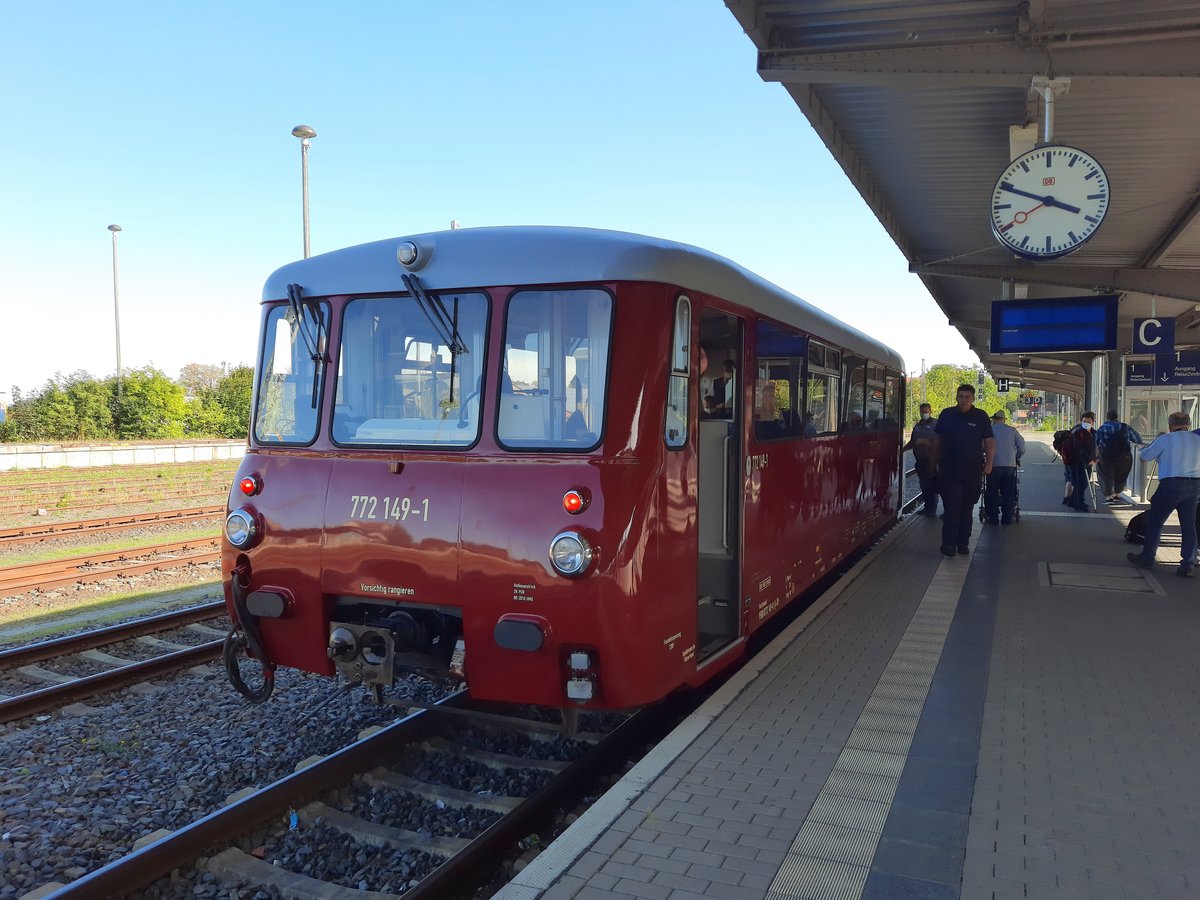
{"points": [[1049, 201]]}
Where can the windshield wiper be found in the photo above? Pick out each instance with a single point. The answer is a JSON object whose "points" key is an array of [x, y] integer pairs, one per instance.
{"points": [[315, 344], [435, 311]]}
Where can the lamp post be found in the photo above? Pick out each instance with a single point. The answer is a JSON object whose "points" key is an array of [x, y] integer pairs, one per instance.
{"points": [[306, 133], [116, 305]]}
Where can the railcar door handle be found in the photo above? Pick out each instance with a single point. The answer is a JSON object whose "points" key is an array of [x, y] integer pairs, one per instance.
{"points": [[725, 492]]}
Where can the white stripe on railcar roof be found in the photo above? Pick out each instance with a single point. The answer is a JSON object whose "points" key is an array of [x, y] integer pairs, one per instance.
{"points": [[527, 255]]}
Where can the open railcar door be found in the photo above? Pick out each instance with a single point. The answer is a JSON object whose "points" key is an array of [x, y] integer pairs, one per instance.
{"points": [[719, 485]]}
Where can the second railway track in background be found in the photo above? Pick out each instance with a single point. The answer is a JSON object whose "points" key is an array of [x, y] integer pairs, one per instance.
{"points": [[118, 563], [46, 531]]}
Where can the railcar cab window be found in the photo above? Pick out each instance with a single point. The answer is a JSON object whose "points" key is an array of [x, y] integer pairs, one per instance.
{"points": [[822, 384], [410, 371], [779, 381], [290, 380], [555, 369]]}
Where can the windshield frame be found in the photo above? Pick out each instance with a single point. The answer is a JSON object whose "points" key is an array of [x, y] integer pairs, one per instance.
{"points": [[323, 307], [417, 311], [548, 448]]}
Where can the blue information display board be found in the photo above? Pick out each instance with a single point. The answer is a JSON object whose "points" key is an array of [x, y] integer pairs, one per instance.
{"points": [[1064, 323]]}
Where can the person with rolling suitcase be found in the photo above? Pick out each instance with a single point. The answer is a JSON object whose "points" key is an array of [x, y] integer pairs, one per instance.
{"points": [[1178, 455]]}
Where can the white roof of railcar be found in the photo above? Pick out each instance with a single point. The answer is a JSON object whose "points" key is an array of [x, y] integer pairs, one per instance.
{"points": [[519, 255]]}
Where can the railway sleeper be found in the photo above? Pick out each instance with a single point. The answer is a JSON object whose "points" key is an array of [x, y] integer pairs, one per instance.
{"points": [[232, 866], [455, 797], [367, 832], [106, 658], [493, 760]]}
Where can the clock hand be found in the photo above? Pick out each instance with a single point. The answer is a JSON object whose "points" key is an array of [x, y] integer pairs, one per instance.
{"points": [[1047, 199], [1012, 190], [1021, 217], [1050, 201]]}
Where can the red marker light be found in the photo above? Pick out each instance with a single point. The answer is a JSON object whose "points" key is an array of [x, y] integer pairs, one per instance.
{"points": [[250, 485], [573, 502]]}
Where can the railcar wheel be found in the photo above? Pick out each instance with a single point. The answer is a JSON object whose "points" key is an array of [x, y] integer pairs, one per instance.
{"points": [[237, 661]]}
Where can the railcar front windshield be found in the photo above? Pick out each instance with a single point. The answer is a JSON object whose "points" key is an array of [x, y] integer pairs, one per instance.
{"points": [[410, 372], [290, 379], [555, 369]]}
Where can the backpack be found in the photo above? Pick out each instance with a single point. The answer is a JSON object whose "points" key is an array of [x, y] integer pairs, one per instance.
{"points": [[1062, 444]]}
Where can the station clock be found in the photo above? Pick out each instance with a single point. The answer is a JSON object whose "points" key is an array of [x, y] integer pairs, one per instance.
{"points": [[1049, 201]]}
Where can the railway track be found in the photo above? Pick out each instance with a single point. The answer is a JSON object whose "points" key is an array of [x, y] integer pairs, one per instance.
{"points": [[41, 532], [13, 490], [117, 671], [322, 805], [104, 566], [98, 501]]}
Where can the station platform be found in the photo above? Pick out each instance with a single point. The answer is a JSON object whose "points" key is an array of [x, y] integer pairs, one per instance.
{"points": [[1022, 722]]}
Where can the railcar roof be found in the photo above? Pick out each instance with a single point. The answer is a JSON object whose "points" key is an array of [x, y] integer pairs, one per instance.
{"points": [[516, 255]]}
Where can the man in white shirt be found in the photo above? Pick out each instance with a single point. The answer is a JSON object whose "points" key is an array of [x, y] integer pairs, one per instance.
{"points": [[1178, 455]]}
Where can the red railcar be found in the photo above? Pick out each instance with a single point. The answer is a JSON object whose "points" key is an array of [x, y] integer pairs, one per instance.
{"points": [[581, 466]]}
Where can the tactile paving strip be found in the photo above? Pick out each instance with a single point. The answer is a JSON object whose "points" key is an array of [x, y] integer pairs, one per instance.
{"points": [[830, 858]]}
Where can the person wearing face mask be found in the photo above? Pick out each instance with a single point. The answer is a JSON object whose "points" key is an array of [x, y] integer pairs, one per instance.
{"points": [[921, 444], [1083, 454]]}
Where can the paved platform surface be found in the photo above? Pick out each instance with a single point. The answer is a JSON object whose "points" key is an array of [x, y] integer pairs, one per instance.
{"points": [[1020, 723]]}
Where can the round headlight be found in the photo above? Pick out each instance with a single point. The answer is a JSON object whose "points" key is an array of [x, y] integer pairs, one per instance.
{"points": [[570, 554], [240, 528]]}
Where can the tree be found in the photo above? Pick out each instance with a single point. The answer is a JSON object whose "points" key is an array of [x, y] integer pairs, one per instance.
{"points": [[92, 401], [198, 377], [224, 409], [941, 388], [151, 406]]}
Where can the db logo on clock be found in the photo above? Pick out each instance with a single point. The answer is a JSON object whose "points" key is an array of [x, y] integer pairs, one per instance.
{"points": [[1047, 182]]}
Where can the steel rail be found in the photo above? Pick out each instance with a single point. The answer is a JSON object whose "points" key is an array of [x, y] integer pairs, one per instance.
{"points": [[126, 570], [112, 634], [28, 534], [181, 848], [68, 692], [907, 505], [100, 502]]}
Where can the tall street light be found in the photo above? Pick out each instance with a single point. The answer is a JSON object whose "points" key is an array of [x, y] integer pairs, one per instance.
{"points": [[306, 133], [116, 305]]}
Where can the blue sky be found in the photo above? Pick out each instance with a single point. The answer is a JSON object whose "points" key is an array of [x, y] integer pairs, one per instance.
{"points": [[174, 121]]}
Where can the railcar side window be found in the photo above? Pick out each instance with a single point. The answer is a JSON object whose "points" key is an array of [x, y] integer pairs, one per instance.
{"points": [[555, 369], [821, 415], [411, 373], [290, 382], [875, 395], [777, 397], [855, 375], [893, 401], [675, 427]]}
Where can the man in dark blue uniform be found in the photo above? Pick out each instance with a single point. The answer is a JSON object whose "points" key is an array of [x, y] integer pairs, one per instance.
{"points": [[963, 447]]}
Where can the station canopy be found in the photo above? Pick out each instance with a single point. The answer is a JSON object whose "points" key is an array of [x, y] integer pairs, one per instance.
{"points": [[925, 104]]}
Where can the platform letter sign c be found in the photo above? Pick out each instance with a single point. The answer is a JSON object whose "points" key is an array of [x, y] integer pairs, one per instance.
{"points": [[1154, 335]]}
